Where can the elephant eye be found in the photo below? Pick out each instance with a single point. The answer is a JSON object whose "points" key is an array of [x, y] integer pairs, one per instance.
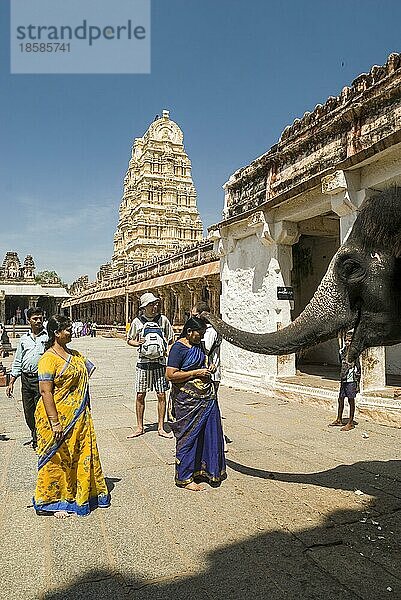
{"points": [[351, 270]]}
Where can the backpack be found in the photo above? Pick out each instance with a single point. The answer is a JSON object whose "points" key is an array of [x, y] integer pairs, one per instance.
{"points": [[154, 346]]}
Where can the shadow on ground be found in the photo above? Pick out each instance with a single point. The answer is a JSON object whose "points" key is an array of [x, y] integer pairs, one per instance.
{"points": [[110, 481], [349, 556], [380, 479]]}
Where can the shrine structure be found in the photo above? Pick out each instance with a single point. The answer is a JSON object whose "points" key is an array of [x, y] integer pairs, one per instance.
{"points": [[19, 290]]}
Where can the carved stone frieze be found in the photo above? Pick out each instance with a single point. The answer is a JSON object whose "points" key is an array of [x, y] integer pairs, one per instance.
{"points": [[348, 125]]}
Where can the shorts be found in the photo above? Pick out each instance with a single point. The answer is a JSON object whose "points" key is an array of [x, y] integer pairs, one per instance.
{"points": [[151, 379], [348, 390]]}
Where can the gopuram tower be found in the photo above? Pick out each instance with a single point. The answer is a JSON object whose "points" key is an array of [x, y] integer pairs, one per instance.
{"points": [[158, 213]]}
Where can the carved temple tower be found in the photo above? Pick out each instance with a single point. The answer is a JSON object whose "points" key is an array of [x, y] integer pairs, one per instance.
{"points": [[158, 213]]}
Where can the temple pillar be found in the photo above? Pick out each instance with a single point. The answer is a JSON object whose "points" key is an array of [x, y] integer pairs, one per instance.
{"points": [[373, 365], [119, 310], [285, 362], [33, 301], [194, 293], [186, 305], [2, 307], [127, 316], [178, 316], [213, 286], [167, 302]]}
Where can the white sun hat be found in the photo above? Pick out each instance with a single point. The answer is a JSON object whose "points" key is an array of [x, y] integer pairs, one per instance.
{"points": [[146, 299]]}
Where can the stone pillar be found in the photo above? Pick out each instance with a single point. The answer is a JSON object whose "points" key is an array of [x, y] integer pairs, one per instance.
{"points": [[185, 302], [113, 303], [213, 285], [158, 292], [373, 369], [281, 235], [194, 293], [137, 303], [119, 310], [127, 308], [167, 302], [2, 307], [178, 309], [33, 300], [286, 362]]}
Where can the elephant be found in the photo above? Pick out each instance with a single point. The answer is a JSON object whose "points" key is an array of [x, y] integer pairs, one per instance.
{"points": [[361, 290]]}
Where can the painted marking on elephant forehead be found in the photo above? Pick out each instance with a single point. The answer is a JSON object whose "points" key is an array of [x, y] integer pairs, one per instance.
{"points": [[376, 255]]}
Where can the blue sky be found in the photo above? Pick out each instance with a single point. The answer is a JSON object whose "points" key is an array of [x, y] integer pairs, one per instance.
{"points": [[233, 74]]}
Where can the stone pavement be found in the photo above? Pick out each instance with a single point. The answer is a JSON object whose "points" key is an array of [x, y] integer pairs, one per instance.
{"points": [[287, 522]]}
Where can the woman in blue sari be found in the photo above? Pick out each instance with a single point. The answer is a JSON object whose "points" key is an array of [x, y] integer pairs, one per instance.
{"points": [[196, 420]]}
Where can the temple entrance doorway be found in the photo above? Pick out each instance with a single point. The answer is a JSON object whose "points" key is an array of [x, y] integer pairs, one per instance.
{"points": [[15, 309], [311, 258]]}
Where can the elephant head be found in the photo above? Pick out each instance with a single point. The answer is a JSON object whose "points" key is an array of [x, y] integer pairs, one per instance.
{"points": [[361, 289]]}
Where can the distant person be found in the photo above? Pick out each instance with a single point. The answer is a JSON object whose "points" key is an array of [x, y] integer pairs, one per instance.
{"points": [[350, 376], [5, 346], [70, 478], [93, 329], [78, 328], [30, 348], [151, 333], [196, 419]]}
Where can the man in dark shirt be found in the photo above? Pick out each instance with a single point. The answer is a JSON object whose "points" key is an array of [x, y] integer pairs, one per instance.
{"points": [[350, 376]]}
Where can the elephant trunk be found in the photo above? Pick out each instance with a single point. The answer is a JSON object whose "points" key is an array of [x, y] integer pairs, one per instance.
{"points": [[327, 313]]}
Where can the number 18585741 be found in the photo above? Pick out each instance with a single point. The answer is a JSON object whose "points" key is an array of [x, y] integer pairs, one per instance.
{"points": [[45, 47]]}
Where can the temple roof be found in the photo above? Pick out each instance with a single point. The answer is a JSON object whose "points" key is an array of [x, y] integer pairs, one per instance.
{"points": [[33, 290]]}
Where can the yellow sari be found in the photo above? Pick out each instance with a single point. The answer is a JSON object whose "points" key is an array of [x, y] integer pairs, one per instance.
{"points": [[69, 471]]}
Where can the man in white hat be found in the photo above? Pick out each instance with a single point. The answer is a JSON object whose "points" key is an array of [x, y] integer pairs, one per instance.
{"points": [[151, 333]]}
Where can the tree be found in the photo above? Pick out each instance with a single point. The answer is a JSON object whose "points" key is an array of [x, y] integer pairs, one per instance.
{"points": [[47, 277]]}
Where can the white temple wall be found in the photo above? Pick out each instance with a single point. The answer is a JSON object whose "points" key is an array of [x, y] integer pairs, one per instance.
{"points": [[250, 274]]}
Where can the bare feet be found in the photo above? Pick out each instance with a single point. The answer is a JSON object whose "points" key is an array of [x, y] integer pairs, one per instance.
{"points": [[336, 423], [164, 434], [138, 431], [194, 487], [347, 427], [61, 514]]}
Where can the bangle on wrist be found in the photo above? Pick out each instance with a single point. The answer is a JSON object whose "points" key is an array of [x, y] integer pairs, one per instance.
{"points": [[54, 424]]}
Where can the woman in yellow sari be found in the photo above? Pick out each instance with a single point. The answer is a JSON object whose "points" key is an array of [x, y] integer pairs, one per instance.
{"points": [[70, 478]]}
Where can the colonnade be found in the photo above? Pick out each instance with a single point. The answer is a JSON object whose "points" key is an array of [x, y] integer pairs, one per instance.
{"points": [[177, 299]]}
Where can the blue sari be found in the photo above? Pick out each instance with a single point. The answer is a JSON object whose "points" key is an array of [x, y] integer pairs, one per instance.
{"points": [[195, 422]]}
